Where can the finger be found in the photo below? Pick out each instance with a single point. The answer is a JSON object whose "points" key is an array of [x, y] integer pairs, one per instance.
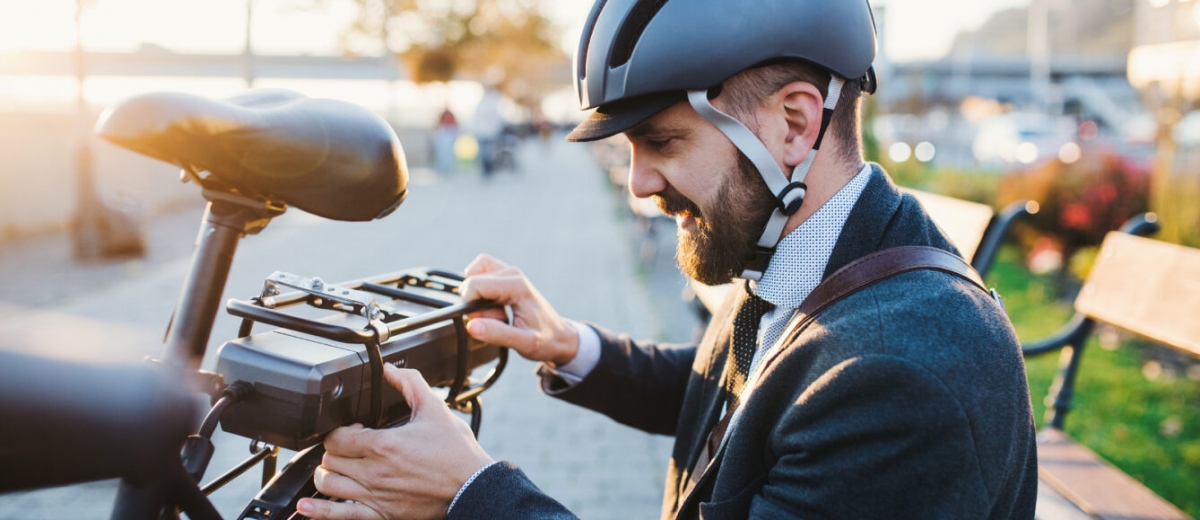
{"points": [[416, 391], [338, 485], [483, 264], [318, 509], [354, 468], [493, 313], [350, 441], [503, 288], [497, 332]]}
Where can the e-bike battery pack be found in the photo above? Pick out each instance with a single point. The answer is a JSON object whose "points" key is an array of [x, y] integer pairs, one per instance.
{"points": [[306, 385]]}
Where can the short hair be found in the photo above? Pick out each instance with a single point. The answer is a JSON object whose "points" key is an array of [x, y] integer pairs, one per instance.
{"points": [[747, 90]]}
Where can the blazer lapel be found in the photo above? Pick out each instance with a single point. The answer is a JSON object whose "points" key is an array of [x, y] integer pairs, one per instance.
{"points": [[700, 486], [712, 400]]}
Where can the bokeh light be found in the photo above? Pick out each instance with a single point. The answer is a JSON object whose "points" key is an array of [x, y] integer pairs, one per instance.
{"points": [[1088, 130], [1069, 153], [899, 152], [925, 151], [1027, 153]]}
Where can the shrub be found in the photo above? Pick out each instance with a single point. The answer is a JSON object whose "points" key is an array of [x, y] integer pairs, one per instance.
{"points": [[1080, 202]]}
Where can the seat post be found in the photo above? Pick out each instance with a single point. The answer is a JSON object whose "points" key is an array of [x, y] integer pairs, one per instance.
{"points": [[227, 218]]}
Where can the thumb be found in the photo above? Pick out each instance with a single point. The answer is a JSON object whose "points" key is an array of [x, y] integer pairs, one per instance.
{"points": [[416, 391]]}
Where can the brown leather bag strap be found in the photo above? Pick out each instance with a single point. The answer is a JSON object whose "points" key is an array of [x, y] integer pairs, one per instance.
{"points": [[875, 267], [855, 276]]}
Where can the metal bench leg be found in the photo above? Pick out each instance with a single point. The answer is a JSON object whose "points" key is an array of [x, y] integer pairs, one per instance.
{"points": [[1062, 392]]}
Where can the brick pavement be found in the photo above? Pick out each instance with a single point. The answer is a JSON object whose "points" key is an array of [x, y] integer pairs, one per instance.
{"points": [[555, 219]]}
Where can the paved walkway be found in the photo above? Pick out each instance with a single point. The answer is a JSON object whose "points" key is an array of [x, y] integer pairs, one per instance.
{"points": [[555, 218]]}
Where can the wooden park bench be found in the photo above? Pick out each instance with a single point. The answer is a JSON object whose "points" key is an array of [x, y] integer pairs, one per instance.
{"points": [[1149, 288], [973, 228]]}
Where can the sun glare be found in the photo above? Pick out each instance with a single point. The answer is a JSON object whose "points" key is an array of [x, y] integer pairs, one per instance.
{"points": [[36, 24], [40, 93], [209, 26]]}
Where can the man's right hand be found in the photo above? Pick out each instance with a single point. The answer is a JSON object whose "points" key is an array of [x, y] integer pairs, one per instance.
{"points": [[537, 331]]}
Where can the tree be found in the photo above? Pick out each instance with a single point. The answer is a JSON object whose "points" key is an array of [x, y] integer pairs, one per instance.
{"points": [[439, 40]]}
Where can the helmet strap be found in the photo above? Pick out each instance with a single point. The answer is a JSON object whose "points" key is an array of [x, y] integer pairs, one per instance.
{"points": [[789, 194]]}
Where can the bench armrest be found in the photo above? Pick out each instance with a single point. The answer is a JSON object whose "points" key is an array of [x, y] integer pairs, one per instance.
{"points": [[1072, 333], [997, 230]]}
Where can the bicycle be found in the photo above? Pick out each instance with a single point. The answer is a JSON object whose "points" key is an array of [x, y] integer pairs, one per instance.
{"points": [[252, 156]]}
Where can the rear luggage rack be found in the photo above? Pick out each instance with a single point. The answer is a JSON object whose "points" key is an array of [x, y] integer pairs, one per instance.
{"points": [[308, 372]]}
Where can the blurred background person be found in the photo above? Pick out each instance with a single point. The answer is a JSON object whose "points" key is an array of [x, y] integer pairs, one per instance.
{"points": [[444, 136], [488, 125]]}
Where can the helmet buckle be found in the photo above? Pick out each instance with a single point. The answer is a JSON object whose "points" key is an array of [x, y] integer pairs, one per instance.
{"points": [[790, 207]]}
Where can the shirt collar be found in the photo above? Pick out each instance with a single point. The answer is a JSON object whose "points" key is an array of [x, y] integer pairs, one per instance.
{"points": [[800, 258]]}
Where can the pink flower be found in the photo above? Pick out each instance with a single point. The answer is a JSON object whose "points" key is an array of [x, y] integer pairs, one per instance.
{"points": [[1076, 216]]}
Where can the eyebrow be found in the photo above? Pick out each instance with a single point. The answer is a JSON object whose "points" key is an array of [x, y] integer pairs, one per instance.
{"points": [[648, 129]]}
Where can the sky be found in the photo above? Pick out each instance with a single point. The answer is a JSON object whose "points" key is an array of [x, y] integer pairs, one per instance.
{"points": [[925, 29], [915, 29]]}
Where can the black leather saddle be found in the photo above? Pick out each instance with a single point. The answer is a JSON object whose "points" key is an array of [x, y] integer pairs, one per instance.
{"points": [[326, 157]]}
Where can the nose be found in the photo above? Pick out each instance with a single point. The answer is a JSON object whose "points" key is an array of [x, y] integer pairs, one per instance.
{"points": [[644, 178]]}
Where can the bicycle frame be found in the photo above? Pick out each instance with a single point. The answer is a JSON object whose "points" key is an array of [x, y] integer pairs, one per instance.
{"points": [[227, 219]]}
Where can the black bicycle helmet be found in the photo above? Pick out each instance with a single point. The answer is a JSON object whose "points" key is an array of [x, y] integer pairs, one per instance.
{"points": [[637, 58]]}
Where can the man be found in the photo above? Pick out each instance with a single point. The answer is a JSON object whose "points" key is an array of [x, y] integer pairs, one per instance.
{"points": [[487, 125], [904, 399]]}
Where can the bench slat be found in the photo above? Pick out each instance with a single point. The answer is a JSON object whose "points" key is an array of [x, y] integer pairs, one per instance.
{"points": [[1148, 287], [963, 222], [1096, 487]]}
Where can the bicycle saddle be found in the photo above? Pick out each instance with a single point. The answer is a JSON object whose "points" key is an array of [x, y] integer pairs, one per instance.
{"points": [[330, 158]]}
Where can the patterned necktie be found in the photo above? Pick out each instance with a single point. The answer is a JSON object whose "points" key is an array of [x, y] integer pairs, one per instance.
{"points": [[744, 342]]}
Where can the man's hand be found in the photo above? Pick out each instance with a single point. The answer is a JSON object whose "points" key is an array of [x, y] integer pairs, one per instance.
{"points": [[412, 471], [537, 332]]}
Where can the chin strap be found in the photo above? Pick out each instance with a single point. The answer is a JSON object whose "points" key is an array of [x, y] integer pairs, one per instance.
{"points": [[789, 194]]}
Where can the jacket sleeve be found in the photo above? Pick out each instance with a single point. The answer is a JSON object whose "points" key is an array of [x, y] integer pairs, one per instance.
{"points": [[639, 384], [503, 491], [875, 437]]}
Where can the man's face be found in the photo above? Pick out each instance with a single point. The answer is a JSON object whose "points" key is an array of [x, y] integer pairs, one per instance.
{"points": [[696, 175]]}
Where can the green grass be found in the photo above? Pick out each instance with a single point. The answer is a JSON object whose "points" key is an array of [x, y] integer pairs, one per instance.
{"points": [[1148, 428]]}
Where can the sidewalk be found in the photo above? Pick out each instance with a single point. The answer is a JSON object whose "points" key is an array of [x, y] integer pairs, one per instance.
{"points": [[555, 218]]}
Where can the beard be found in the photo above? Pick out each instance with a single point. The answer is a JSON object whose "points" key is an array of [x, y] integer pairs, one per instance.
{"points": [[723, 240]]}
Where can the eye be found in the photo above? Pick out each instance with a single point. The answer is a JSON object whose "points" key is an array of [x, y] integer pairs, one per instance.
{"points": [[659, 144]]}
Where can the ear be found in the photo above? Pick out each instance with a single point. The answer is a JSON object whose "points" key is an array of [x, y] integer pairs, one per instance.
{"points": [[800, 105]]}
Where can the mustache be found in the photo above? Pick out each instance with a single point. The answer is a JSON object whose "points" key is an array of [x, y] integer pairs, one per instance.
{"points": [[673, 203]]}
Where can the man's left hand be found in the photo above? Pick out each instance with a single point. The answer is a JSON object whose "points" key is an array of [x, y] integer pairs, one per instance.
{"points": [[412, 471]]}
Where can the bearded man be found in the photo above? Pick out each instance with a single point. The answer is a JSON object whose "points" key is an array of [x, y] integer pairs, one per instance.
{"points": [[903, 398]]}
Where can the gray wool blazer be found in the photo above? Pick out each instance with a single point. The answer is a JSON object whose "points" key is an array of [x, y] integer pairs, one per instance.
{"points": [[907, 399]]}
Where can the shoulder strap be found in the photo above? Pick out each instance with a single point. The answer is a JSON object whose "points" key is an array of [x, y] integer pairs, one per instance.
{"points": [[876, 267], [855, 276]]}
